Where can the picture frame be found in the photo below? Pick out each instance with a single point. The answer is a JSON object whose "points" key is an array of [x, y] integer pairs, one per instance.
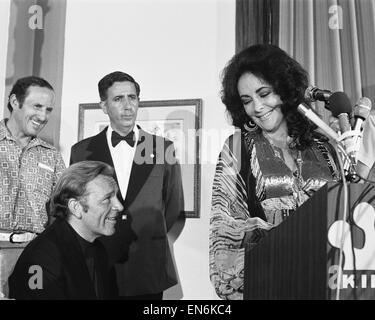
{"points": [[178, 120]]}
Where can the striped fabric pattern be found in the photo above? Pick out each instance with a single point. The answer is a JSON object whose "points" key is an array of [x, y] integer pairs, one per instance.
{"points": [[229, 221]]}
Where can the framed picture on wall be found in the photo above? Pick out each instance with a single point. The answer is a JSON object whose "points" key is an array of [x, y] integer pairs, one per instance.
{"points": [[177, 120]]}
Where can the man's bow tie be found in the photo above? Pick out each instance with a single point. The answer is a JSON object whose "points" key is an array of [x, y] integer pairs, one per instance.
{"points": [[116, 138]]}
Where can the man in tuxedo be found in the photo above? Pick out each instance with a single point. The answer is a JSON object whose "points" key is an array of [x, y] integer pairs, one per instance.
{"points": [[66, 261], [150, 188]]}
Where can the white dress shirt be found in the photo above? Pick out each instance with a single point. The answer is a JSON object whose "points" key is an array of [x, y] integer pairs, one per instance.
{"points": [[122, 156]]}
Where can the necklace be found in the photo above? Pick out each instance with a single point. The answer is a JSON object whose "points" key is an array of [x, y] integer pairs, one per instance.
{"points": [[283, 145], [296, 155], [298, 181], [283, 151]]}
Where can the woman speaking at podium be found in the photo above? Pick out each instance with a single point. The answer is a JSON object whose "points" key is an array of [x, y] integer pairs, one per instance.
{"points": [[270, 166]]}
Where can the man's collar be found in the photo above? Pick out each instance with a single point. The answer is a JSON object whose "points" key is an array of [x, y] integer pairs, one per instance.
{"points": [[6, 134], [83, 243], [135, 129]]}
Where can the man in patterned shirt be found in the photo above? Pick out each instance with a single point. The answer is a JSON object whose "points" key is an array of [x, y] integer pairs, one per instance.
{"points": [[29, 167]]}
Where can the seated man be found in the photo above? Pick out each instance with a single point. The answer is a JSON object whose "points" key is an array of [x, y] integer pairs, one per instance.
{"points": [[66, 261]]}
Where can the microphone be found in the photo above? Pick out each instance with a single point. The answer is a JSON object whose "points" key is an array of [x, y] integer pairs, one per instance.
{"points": [[340, 107], [313, 94], [361, 112], [313, 117], [328, 131]]}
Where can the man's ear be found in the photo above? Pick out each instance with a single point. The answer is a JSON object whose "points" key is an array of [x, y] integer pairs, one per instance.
{"points": [[14, 102], [103, 105], [75, 207]]}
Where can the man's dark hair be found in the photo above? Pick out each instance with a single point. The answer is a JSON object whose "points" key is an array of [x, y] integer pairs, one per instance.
{"points": [[20, 88], [73, 183], [117, 76]]}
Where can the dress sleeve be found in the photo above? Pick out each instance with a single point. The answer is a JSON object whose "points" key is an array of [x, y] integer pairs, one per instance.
{"points": [[331, 157], [230, 221]]}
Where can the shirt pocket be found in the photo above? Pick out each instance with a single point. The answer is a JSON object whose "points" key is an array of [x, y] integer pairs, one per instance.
{"points": [[44, 179]]}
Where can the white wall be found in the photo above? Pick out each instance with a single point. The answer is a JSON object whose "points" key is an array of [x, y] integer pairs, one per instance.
{"points": [[4, 27], [175, 50]]}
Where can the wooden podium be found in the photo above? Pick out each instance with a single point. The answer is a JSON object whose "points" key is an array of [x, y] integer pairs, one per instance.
{"points": [[299, 259]]}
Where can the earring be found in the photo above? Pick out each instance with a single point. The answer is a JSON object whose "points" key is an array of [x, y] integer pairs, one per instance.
{"points": [[250, 126]]}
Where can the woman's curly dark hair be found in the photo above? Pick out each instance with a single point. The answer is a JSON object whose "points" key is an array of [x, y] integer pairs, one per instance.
{"points": [[288, 79]]}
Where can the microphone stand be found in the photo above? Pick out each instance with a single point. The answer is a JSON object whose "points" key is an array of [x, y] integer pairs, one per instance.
{"points": [[348, 174], [352, 176], [348, 155]]}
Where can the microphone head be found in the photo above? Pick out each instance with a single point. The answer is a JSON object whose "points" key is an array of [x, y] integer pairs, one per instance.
{"points": [[362, 108], [313, 94], [309, 94], [339, 103]]}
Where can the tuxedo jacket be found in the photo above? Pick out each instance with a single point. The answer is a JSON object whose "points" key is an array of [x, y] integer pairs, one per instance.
{"points": [[139, 248], [62, 264]]}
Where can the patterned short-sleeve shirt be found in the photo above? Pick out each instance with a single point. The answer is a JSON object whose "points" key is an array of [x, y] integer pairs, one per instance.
{"points": [[27, 179]]}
